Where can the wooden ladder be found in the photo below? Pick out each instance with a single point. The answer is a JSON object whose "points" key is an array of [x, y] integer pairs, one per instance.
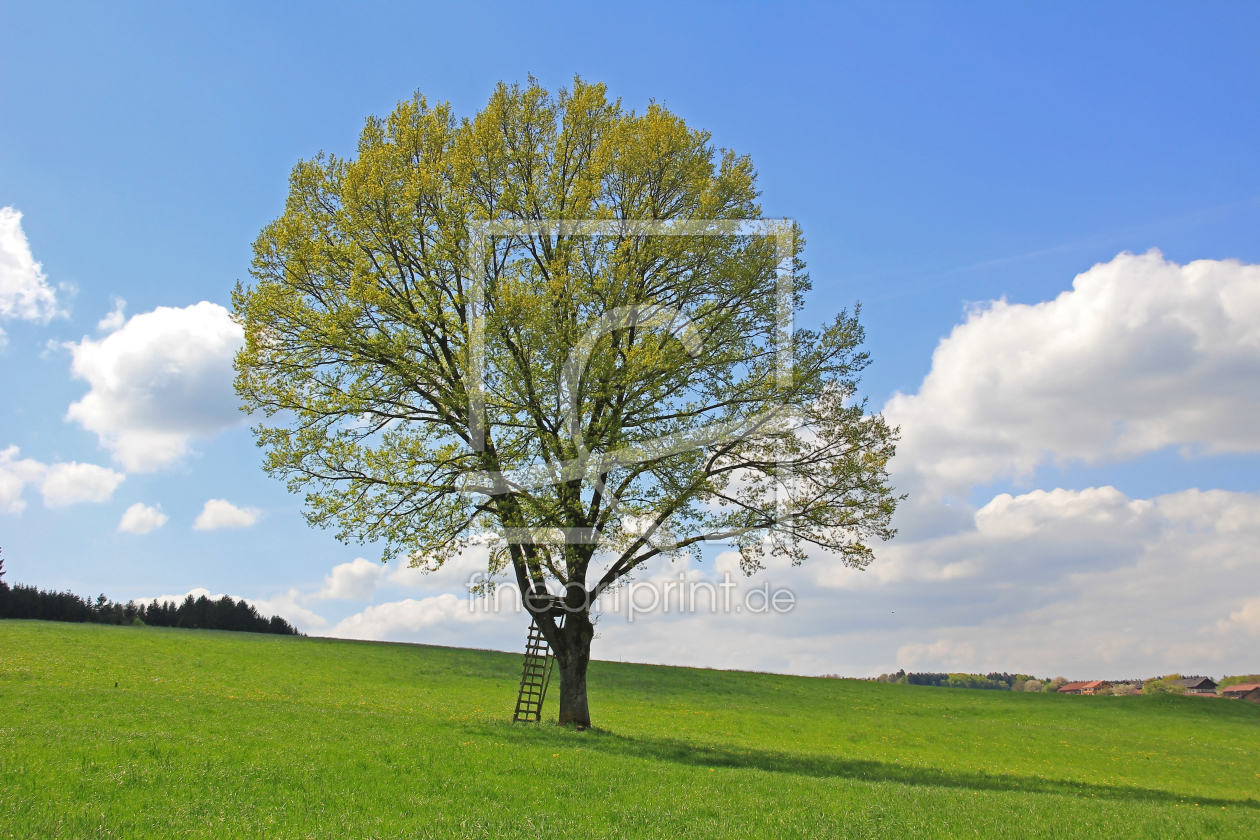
{"points": [[535, 675]]}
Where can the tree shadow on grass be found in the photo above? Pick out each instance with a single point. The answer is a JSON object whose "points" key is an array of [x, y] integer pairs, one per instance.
{"points": [[820, 766]]}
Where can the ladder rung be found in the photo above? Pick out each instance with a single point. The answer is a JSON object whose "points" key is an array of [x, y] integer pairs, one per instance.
{"points": [[535, 674]]}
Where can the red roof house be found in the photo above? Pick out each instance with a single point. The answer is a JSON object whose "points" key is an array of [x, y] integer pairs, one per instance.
{"points": [[1083, 687], [1243, 691]]}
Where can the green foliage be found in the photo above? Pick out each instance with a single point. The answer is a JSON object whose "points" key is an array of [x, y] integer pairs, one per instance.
{"points": [[236, 735], [362, 349], [991, 682], [1226, 682], [1170, 684], [204, 614], [975, 681]]}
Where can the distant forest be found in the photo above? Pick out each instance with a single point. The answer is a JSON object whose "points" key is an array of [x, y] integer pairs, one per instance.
{"points": [[23, 601], [992, 682]]}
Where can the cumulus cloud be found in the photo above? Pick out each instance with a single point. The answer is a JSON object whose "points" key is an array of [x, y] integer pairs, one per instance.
{"points": [[141, 519], [1139, 355], [115, 319], [403, 618], [160, 380], [453, 576], [72, 483], [1088, 582], [1246, 620], [1041, 533], [220, 513], [1184, 596], [14, 476], [24, 289], [291, 606], [196, 592], [354, 581], [61, 484]]}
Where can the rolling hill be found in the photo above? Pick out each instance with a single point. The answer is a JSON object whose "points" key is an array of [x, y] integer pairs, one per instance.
{"points": [[163, 733]]}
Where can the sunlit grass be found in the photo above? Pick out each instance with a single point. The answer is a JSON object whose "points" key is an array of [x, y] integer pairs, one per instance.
{"points": [[237, 735]]}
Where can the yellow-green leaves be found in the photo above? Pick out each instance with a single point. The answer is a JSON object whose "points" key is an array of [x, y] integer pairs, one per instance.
{"points": [[629, 384]]}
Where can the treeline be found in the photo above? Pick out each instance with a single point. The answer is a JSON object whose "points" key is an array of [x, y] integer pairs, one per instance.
{"points": [[23, 601], [1227, 681], [1170, 684], [990, 682], [223, 614]]}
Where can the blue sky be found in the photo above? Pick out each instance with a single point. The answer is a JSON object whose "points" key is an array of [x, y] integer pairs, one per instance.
{"points": [[937, 156]]}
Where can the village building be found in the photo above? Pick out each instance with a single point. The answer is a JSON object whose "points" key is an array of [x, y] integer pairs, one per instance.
{"points": [[1091, 687], [1198, 685], [1243, 691]]}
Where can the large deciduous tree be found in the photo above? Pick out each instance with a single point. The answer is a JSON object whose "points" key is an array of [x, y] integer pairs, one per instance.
{"points": [[552, 326]]}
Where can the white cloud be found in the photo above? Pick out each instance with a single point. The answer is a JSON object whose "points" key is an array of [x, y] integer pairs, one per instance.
{"points": [[24, 290], [290, 607], [159, 381], [1246, 619], [454, 575], [14, 476], [61, 484], [141, 519], [1100, 584], [115, 319], [220, 513], [1085, 583], [403, 618], [354, 581], [72, 483], [1141, 354], [196, 593], [1178, 601]]}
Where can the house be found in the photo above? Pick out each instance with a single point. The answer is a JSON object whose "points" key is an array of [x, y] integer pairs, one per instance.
{"points": [[1198, 685], [1083, 687], [1244, 691]]}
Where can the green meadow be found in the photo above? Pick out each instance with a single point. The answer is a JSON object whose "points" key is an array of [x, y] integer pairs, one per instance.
{"points": [[146, 732]]}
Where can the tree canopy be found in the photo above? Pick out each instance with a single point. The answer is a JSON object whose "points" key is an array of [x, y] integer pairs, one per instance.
{"points": [[562, 327]]}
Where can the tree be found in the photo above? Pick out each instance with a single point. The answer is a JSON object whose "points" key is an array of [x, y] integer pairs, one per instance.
{"points": [[1225, 682], [1169, 684], [441, 359]]}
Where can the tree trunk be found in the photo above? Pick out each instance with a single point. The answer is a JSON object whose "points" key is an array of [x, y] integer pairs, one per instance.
{"points": [[572, 658]]}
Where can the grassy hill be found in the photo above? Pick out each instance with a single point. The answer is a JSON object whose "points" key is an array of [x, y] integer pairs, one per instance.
{"points": [[147, 732]]}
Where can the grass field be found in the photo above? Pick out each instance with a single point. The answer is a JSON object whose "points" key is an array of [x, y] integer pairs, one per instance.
{"points": [[212, 734]]}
